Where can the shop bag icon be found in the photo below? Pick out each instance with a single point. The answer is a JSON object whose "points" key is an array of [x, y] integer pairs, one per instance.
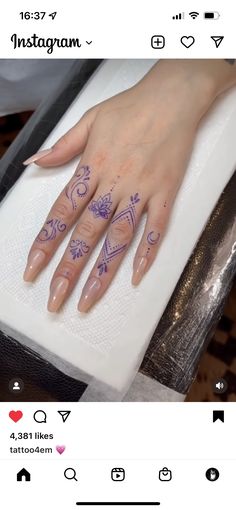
{"points": [[165, 475]]}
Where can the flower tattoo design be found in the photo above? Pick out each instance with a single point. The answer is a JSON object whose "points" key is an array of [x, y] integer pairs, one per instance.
{"points": [[152, 239], [78, 187], [50, 230], [78, 248], [101, 208], [110, 249]]}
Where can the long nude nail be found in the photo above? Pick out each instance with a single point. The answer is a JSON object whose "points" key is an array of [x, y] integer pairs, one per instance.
{"points": [[37, 156], [89, 294], [139, 270], [34, 265], [58, 292]]}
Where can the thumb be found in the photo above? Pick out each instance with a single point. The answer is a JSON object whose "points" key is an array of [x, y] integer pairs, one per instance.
{"points": [[71, 144]]}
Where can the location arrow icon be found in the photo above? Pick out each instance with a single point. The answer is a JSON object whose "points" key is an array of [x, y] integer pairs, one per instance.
{"points": [[64, 415], [217, 39]]}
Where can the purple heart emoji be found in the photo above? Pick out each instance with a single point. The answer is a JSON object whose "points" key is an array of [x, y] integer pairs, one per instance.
{"points": [[60, 449]]}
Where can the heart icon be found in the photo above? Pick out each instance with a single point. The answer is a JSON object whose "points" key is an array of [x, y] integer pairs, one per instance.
{"points": [[15, 415], [60, 449], [187, 41]]}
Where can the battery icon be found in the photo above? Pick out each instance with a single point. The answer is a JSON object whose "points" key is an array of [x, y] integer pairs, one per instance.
{"points": [[211, 15]]}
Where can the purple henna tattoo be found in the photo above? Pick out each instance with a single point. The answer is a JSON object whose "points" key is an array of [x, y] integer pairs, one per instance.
{"points": [[129, 213], [66, 273], [151, 239], [78, 187], [115, 183], [134, 198], [102, 268], [111, 250], [78, 248], [101, 207], [51, 229]]}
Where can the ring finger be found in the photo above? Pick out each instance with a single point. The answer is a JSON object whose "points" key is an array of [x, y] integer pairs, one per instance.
{"points": [[117, 241]]}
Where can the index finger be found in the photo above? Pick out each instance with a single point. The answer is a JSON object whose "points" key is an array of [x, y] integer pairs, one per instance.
{"points": [[62, 216]]}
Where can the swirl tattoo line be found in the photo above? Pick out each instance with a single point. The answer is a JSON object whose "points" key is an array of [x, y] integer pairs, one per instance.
{"points": [[78, 248], [50, 230], [78, 187], [111, 250]]}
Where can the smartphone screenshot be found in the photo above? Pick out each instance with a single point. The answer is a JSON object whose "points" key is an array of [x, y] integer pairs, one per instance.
{"points": [[117, 254]]}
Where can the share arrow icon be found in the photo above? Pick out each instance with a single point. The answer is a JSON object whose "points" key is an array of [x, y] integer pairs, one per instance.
{"points": [[64, 415], [217, 39]]}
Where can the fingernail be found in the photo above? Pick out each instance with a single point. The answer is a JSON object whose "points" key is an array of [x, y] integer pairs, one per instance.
{"points": [[37, 156], [58, 292], [89, 294], [34, 265], [139, 270]]}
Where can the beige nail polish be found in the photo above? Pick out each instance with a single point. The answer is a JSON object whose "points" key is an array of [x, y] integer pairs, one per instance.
{"points": [[89, 294], [37, 156], [34, 265], [58, 292], [139, 270]]}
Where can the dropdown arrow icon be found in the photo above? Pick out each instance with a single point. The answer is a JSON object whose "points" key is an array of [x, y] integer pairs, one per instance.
{"points": [[89, 42]]}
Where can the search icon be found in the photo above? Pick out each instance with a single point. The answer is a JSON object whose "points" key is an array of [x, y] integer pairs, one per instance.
{"points": [[70, 474], [40, 417]]}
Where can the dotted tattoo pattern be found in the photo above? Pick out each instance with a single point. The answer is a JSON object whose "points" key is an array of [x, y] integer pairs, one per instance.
{"points": [[110, 250]]}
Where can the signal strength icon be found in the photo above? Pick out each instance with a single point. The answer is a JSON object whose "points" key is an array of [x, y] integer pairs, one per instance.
{"points": [[194, 14], [179, 16]]}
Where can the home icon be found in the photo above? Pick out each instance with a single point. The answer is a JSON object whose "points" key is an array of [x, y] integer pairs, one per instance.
{"points": [[23, 475]]}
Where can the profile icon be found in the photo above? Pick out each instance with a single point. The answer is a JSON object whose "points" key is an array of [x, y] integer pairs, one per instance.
{"points": [[212, 474], [16, 386]]}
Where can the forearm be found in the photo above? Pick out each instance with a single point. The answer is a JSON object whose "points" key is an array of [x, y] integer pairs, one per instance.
{"points": [[221, 74], [201, 81]]}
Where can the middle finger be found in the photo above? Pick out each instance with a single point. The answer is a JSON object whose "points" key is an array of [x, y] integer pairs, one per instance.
{"points": [[85, 236]]}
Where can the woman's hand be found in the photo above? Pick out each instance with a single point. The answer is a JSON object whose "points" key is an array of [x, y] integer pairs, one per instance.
{"points": [[135, 148]]}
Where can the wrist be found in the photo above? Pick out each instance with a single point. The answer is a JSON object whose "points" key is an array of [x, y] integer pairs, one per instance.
{"points": [[194, 83]]}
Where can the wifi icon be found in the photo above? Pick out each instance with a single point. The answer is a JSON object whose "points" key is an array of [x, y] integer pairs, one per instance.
{"points": [[194, 14]]}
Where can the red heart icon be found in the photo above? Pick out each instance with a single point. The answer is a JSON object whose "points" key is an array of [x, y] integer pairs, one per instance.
{"points": [[15, 415]]}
